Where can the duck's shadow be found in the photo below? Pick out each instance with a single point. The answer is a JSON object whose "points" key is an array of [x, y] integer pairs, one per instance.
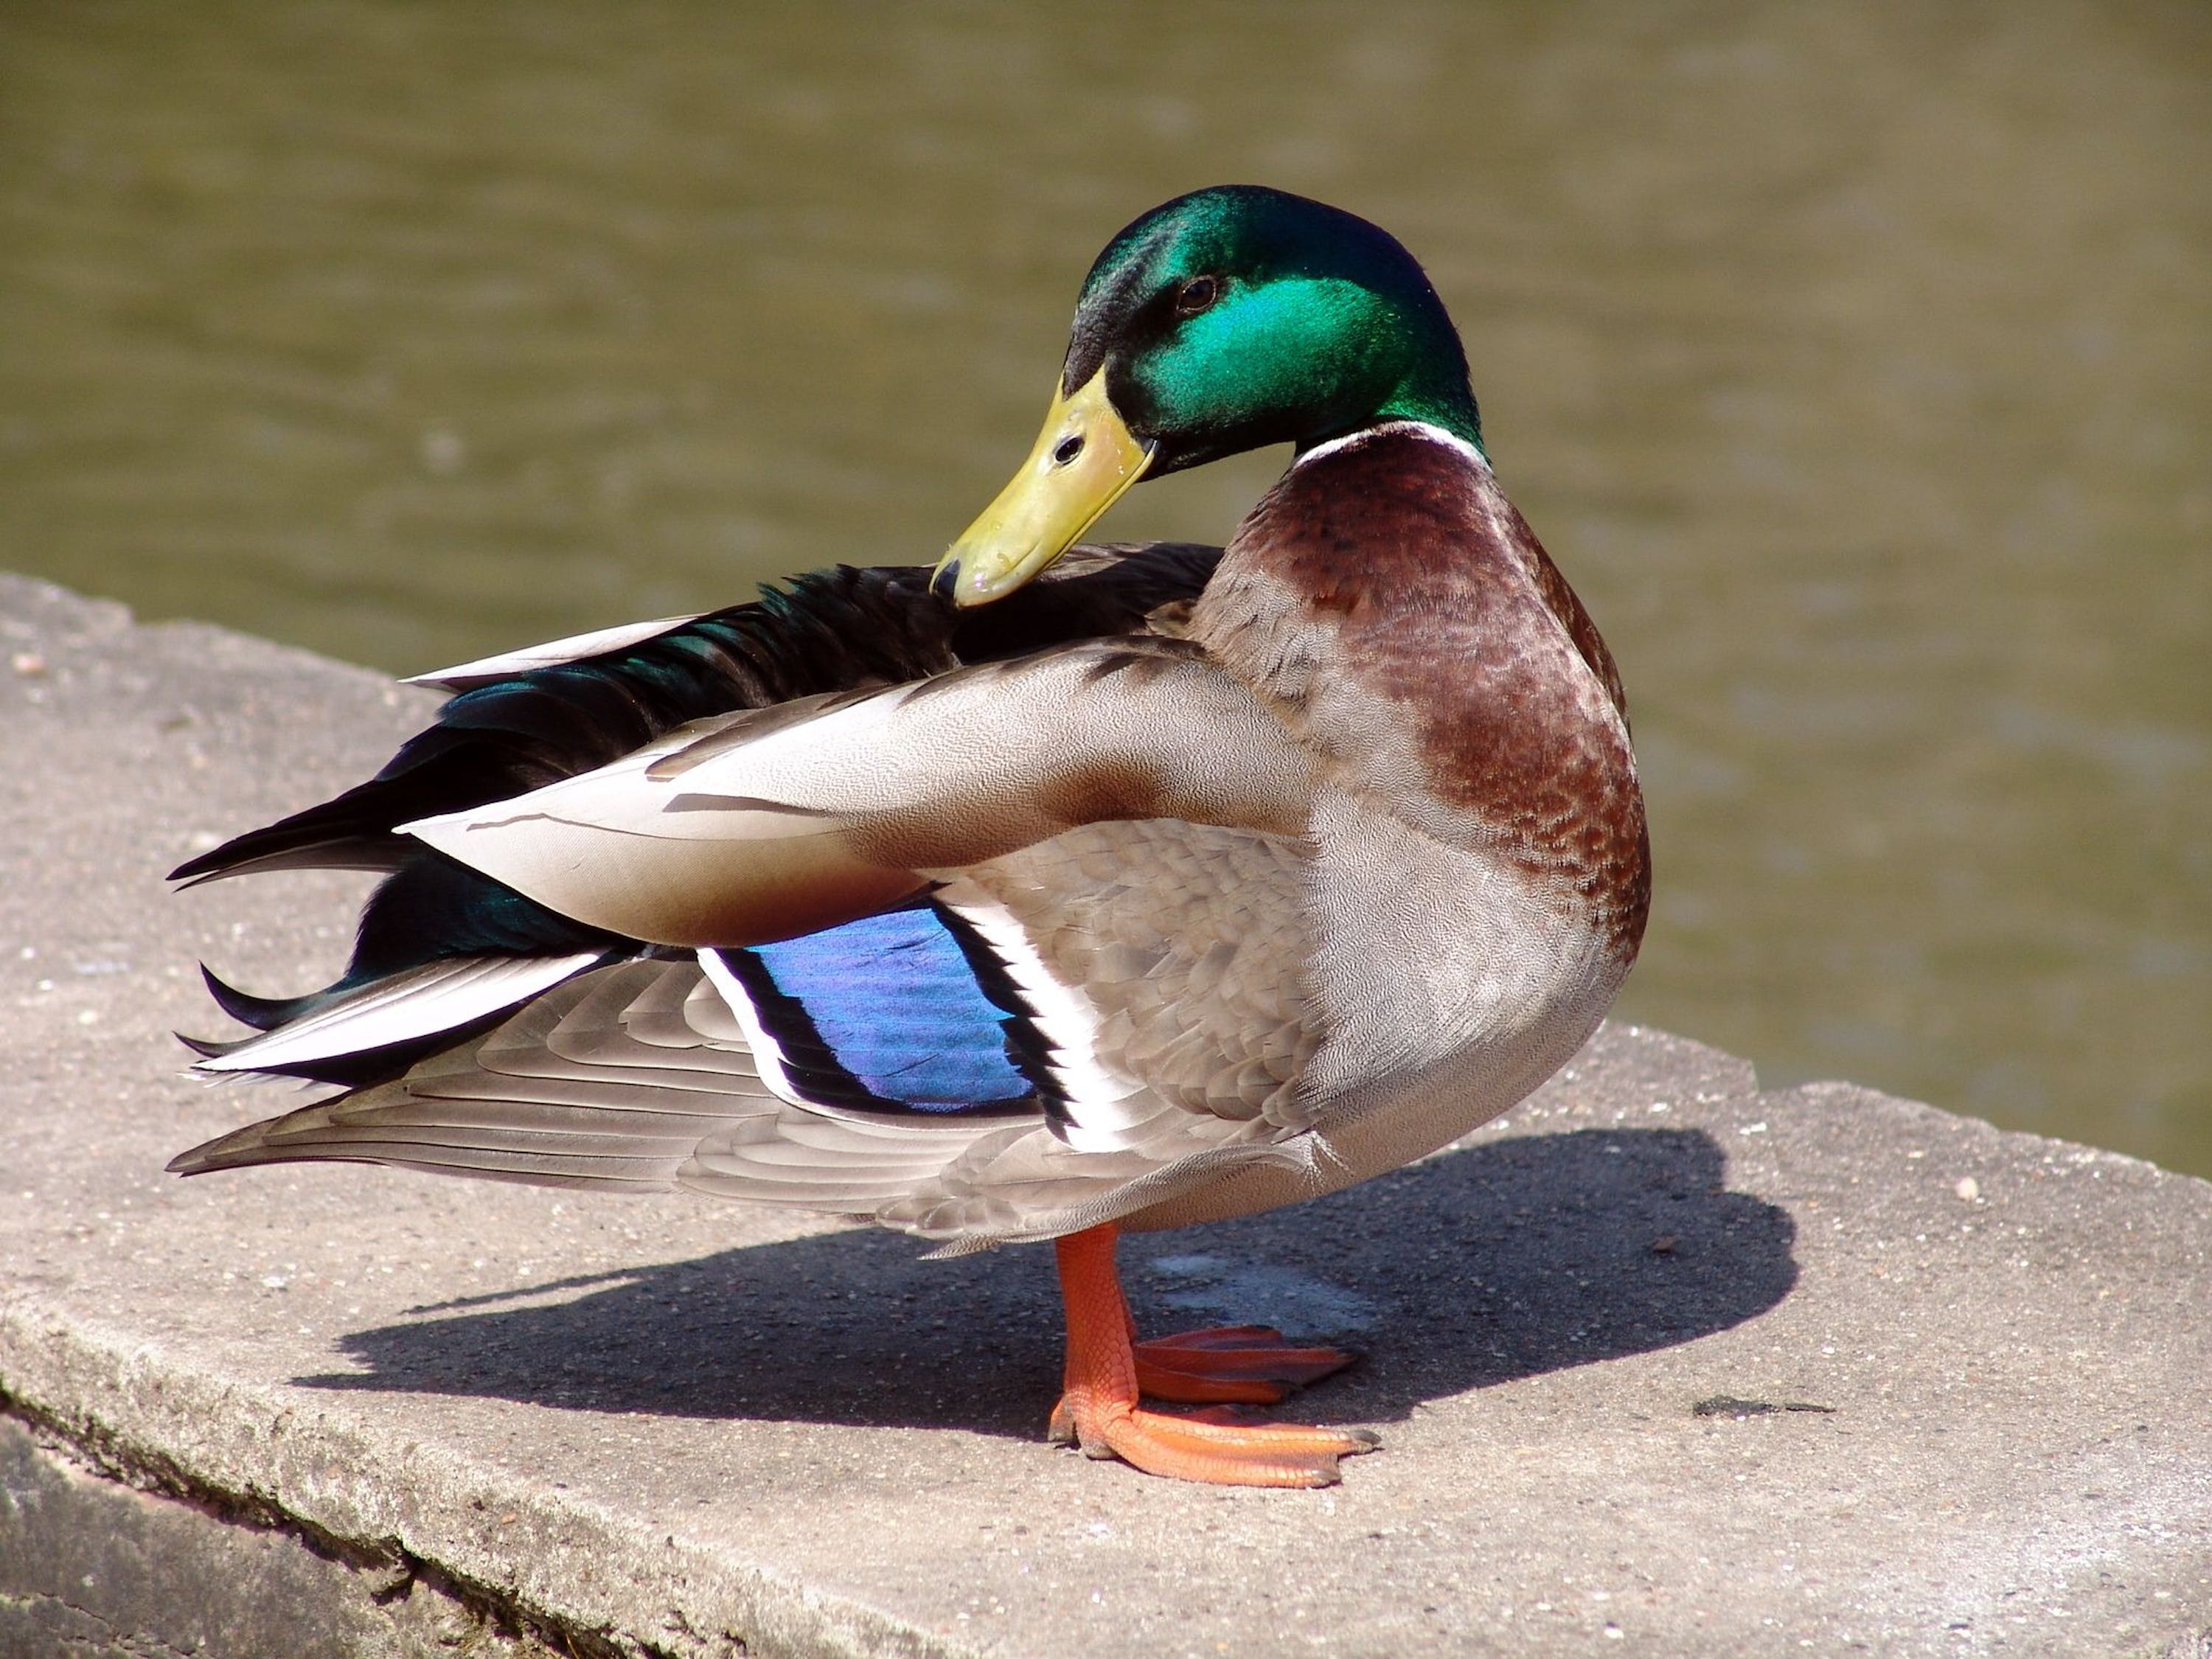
{"points": [[1514, 1257]]}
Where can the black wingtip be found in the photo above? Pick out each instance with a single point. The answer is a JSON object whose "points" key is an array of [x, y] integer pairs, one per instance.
{"points": [[219, 860], [233, 857], [262, 1014], [195, 869]]}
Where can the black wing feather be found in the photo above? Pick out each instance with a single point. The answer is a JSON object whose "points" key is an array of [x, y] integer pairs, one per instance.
{"points": [[834, 630]]}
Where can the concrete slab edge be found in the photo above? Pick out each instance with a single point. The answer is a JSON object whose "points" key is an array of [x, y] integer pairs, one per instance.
{"points": [[242, 1455]]}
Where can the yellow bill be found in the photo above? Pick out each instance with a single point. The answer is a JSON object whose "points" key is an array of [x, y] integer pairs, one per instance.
{"points": [[1083, 460]]}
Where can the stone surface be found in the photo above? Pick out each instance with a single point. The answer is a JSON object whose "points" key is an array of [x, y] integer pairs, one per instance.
{"points": [[501, 1415], [90, 1567]]}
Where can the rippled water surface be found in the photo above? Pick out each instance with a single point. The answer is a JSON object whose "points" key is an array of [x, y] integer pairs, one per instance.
{"points": [[1853, 362]]}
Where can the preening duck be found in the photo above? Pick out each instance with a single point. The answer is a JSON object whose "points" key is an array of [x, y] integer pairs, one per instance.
{"points": [[1056, 891]]}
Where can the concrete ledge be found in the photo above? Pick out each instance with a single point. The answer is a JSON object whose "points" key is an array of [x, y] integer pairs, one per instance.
{"points": [[95, 1567], [353, 1411]]}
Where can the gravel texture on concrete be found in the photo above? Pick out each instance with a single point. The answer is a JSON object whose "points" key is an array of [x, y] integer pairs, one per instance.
{"points": [[1661, 1362]]}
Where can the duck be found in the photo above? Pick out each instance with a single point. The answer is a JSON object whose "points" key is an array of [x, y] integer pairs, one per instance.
{"points": [[1057, 891]]}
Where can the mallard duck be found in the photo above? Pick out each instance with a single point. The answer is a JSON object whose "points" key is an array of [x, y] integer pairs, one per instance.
{"points": [[1052, 892]]}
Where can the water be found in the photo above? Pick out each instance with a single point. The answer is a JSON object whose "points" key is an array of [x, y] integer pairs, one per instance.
{"points": [[1854, 362]]}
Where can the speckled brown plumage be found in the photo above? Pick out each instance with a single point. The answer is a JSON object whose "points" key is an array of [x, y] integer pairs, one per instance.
{"points": [[1396, 568]]}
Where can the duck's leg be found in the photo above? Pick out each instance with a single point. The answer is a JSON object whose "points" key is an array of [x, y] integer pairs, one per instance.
{"points": [[1099, 1409]]}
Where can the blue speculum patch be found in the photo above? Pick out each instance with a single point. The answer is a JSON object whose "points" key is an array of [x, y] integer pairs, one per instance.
{"points": [[905, 1010]]}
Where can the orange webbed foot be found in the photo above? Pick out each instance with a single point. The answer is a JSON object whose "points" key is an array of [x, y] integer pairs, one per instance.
{"points": [[1245, 1365], [1208, 1446], [1098, 1409]]}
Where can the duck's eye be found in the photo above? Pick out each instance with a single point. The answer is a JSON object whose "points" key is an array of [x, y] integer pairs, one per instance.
{"points": [[1067, 450], [1194, 296]]}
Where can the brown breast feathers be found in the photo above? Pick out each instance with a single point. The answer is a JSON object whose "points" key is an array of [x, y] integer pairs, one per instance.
{"points": [[1393, 573]]}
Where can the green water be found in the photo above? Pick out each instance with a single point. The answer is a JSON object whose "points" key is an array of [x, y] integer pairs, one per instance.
{"points": [[1855, 362]]}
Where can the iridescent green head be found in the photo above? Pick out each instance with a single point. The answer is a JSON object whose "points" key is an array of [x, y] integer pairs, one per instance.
{"points": [[1238, 317], [1225, 321]]}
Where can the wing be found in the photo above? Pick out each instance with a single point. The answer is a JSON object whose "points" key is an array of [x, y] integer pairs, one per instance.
{"points": [[1059, 1036], [616, 1078], [530, 718], [765, 825], [1165, 960], [988, 955]]}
